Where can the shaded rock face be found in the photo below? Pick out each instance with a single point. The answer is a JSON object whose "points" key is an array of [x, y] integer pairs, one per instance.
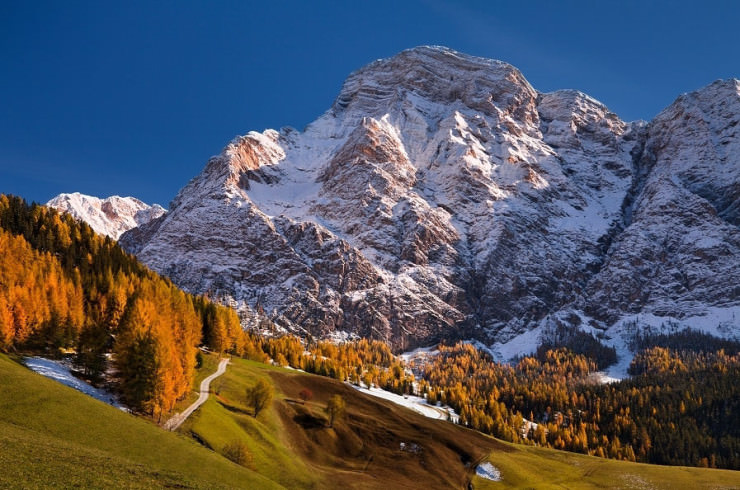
{"points": [[680, 250], [442, 197], [111, 216]]}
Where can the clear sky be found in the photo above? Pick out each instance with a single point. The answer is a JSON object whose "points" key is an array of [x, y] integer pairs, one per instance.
{"points": [[131, 98]]}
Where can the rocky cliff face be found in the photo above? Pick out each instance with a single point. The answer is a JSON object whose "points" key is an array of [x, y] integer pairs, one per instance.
{"points": [[111, 216], [441, 196], [679, 252]]}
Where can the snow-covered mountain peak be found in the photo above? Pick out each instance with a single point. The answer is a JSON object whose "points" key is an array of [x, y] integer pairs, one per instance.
{"points": [[436, 76], [575, 105], [111, 216], [442, 196], [721, 87]]}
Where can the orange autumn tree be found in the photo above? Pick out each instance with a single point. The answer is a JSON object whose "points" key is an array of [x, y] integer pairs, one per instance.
{"points": [[38, 304], [155, 348]]}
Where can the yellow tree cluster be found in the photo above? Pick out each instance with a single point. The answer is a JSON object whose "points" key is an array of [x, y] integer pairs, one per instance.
{"points": [[161, 322], [531, 402], [38, 303], [361, 361], [222, 331], [680, 407]]}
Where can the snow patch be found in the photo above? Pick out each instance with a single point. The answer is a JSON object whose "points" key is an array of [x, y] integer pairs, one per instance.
{"points": [[521, 345], [603, 378], [420, 353], [412, 447], [415, 403], [488, 471], [719, 322], [342, 336], [57, 371]]}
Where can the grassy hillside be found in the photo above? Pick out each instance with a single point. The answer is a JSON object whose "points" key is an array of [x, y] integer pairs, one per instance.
{"points": [[290, 443], [531, 467], [53, 436]]}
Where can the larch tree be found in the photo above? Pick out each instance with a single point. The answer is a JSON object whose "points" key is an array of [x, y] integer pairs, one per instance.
{"points": [[335, 408], [259, 395]]}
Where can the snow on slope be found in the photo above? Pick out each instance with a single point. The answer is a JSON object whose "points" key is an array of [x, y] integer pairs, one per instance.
{"points": [[59, 372], [488, 471], [415, 403], [717, 321], [111, 216]]}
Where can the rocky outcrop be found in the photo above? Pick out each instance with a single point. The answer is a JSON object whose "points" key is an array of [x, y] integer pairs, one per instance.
{"points": [[441, 196]]}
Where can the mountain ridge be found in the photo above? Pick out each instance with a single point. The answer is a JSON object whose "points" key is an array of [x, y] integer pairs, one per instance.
{"points": [[111, 216]]}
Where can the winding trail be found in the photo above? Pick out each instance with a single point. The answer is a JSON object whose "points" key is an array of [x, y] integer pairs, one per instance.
{"points": [[205, 385]]}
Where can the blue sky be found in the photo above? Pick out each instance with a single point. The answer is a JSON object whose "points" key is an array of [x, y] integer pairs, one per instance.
{"points": [[131, 98]]}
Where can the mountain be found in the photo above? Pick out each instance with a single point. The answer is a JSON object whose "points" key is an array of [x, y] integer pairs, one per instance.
{"points": [[443, 197], [111, 216]]}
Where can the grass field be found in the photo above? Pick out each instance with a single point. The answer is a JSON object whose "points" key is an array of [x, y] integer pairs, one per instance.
{"points": [[52, 436], [224, 419], [530, 467]]}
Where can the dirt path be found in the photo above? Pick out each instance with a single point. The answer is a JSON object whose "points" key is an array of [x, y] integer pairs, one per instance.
{"points": [[177, 420]]}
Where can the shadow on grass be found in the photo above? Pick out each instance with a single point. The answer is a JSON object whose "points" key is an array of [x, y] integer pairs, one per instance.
{"points": [[200, 440], [309, 421], [234, 409]]}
